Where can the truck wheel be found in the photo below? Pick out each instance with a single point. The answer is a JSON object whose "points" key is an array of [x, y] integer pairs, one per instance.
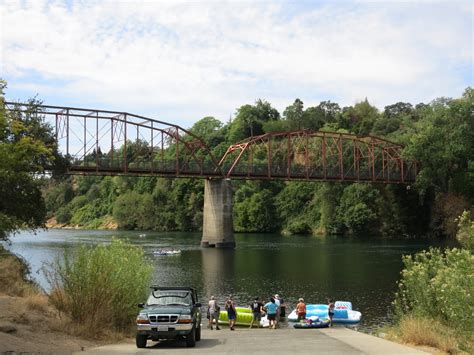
{"points": [[191, 339], [141, 340], [198, 334]]}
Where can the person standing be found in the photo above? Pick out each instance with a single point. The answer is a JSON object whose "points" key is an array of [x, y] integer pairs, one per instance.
{"points": [[282, 306], [271, 309], [301, 309], [213, 311], [277, 318], [231, 312], [331, 308], [257, 307]]}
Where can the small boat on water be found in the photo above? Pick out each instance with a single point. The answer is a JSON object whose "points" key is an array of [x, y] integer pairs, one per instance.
{"points": [[244, 317], [142, 235], [343, 312], [160, 252], [313, 322]]}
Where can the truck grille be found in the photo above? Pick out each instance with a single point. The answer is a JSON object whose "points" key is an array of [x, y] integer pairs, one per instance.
{"points": [[163, 318]]}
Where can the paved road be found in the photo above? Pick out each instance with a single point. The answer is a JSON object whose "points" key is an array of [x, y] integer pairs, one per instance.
{"points": [[338, 340]]}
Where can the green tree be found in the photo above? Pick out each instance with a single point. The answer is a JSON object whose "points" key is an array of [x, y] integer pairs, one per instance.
{"points": [[442, 141], [357, 209], [27, 147], [294, 114], [361, 117]]}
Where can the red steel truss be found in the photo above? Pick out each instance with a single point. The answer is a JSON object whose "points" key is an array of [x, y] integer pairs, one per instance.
{"points": [[100, 142], [119, 143], [327, 156]]}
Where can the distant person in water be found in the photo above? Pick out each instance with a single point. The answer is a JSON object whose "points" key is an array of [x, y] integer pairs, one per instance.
{"points": [[271, 308], [213, 311], [301, 309], [231, 312], [331, 308], [257, 308]]}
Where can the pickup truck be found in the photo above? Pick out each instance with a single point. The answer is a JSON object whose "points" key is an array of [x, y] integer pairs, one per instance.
{"points": [[169, 313]]}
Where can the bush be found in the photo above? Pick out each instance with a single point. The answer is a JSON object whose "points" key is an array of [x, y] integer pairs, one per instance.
{"points": [[438, 285], [63, 215], [101, 285], [465, 234]]}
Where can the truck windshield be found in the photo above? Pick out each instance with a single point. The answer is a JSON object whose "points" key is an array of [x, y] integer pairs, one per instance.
{"points": [[159, 297]]}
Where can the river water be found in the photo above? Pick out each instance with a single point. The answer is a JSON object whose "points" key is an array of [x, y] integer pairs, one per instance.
{"points": [[363, 271]]}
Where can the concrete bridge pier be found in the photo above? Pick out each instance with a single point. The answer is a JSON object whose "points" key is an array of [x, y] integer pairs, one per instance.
{"points": [[217, 229]]}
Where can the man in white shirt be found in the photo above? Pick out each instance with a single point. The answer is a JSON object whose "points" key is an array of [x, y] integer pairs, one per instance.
{"points": [[214, 311], [277, 319]]}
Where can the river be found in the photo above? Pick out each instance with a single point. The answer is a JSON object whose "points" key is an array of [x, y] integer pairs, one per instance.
{"points": [[363, 271]]}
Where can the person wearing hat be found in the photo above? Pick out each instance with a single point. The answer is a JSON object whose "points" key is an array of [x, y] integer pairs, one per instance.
{"points": [[301, 309], [282, 306], [213, 313], [278, 303]]}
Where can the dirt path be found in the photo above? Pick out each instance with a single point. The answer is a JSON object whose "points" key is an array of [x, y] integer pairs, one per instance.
{"points": [[25, 326]]}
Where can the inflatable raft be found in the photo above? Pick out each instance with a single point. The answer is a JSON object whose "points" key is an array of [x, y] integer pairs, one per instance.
{"points": [[161, 252], [244, 317], [313, 322], [343, 313]]}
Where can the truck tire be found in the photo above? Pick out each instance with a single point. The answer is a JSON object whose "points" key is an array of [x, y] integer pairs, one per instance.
{"points": [[141, 340], [198, 334], [191, 339]]}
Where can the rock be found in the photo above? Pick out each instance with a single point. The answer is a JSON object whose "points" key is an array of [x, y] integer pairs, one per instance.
{"points": [[5, 328]]}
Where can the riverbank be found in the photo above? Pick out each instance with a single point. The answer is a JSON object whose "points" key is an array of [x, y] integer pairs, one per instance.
{"points": [[106, 223], [28, 323]]}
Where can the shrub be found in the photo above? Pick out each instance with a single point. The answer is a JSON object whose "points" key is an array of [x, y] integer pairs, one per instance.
{"points": [[465, 234], [439, 286], [63, 215], [101, 285]]}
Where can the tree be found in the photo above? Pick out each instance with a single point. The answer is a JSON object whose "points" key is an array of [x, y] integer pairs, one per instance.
{"points": [[357, 209], [27, 148], [442, 141], [361, 117], [294, 114]]}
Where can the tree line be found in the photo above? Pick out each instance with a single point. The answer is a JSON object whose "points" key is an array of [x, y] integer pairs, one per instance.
{"points": [[439, 135]]}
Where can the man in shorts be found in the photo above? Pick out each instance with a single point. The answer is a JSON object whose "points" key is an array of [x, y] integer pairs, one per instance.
{"points": [[231, 312], [257, 307], [213, 311], [271, 309]]}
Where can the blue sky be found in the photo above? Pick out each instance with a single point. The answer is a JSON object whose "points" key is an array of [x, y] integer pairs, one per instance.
{"points": [[180, 61]]}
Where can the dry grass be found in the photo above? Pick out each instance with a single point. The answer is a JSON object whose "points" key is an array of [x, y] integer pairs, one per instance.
{"points": [[37, 302], [425, 332], [14, 276], [85, 331]]}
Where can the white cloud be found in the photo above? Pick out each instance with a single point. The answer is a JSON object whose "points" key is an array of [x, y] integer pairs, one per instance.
{"points": [[194, 59]]}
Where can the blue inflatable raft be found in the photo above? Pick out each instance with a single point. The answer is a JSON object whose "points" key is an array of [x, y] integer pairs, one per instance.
{"points": [[343, 313]]}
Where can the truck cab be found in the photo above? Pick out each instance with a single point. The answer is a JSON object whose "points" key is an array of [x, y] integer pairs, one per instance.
{"points": [[169, 313]]}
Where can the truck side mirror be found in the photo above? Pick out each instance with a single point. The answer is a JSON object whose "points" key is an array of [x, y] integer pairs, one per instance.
{"points": [[141, 305]]}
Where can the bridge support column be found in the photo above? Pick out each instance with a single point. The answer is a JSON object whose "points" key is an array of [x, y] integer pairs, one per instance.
{"points": [[217, 229]]}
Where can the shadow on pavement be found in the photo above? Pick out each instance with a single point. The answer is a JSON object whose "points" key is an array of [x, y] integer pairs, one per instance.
{"points": [[176, 344]]}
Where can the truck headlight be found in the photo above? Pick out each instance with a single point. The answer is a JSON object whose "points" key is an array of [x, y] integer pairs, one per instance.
{"points": [[143, 319], [185, 318]]}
